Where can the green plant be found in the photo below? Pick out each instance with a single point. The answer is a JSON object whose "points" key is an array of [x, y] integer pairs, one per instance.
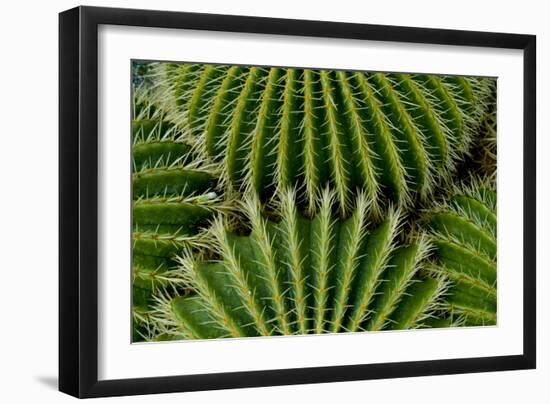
{"points": [[280, 201], [173, 198], [486, 142], [295, 275], [463, 234], [392, 136]]}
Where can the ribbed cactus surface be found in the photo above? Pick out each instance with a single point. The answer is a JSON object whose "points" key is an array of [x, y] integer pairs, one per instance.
{"points": [[173, 198], [392, 136], [300, 275], [464, 237]]}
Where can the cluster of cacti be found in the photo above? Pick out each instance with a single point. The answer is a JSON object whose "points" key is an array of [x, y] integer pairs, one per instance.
{"points": [[173, 199], [276, 201]]}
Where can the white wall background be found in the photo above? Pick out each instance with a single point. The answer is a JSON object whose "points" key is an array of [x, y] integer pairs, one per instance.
{"points": [[28, 207]]}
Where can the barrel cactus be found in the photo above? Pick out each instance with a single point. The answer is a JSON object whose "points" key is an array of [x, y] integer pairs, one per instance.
{"points": [[282, 201], [392, 136], [485, 145], [173, 198], [463, 232], [296, 275]]}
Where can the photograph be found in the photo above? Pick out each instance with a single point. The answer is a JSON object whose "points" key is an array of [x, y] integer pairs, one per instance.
{"points": [[275, 201]]}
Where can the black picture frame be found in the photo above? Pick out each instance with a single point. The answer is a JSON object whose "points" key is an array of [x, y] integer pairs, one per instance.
{"points": [[78, 201]]}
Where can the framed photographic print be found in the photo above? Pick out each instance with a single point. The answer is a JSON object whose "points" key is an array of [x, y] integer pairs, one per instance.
{"points": [[251, 201]]}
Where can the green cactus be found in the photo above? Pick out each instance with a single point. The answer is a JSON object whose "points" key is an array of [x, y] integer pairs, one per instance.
{"points": [[393, 136], [173, 198], [486, 143], [281, 201], [463, 233], [298, 275]]}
